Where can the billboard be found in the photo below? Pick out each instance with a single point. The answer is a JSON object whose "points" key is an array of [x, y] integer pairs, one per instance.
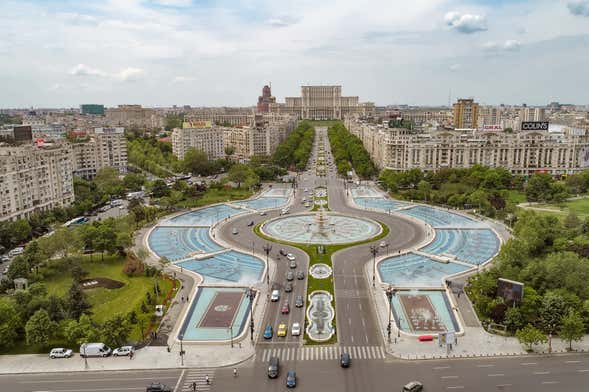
{"points": [[197, 124], [584, 157], [535, 125], [494, 128], [510, 290]]}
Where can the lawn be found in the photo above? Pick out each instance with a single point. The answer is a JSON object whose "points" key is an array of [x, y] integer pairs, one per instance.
{"points": [[561, 210]]}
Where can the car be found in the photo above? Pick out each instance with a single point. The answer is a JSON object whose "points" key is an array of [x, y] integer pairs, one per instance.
{"points": [[234, 231], [282, 252], [123, 351], [288, 287], [250, 224], [268, 332], [413, 386], [296, 329], [281, 331], [273, 367], [60, 353], [382, 244], [263, 213], [293, 264], [158, 387], [299, 301], [5, 258], [275, 296], [345, 360], [285, 308], [290, 276], [290, 256], [291, 379], [300, 275]]}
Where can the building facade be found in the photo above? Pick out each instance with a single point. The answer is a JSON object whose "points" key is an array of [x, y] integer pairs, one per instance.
{"points": [[34, 179], [134, 116], [525, 153], [265, 100], [107, 147], [321, 103], [93, 109], [466, 113]]}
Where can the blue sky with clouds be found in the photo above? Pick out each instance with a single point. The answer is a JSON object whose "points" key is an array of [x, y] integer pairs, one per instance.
{"points": [[208, 52]]}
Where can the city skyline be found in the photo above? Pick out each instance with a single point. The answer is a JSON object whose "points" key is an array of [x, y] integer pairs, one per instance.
{"points": [[220, 53]]}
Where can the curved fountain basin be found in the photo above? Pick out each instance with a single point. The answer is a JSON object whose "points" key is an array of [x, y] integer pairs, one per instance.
{"points": [[334, 229], [320, 314], [320, 271]]}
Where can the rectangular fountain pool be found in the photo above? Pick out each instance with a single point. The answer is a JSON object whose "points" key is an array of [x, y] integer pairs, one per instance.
{"points": [[422, 311], [414, 270], [231, 266]]}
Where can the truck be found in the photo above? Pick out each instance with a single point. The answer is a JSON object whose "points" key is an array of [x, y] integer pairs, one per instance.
{"points": [[94, 350]]}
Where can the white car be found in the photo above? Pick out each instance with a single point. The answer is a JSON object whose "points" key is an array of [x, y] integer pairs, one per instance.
{"points": [[290, 256], [296, 329], [275, 296], [123, 351], [60, 353], [383, 244]]}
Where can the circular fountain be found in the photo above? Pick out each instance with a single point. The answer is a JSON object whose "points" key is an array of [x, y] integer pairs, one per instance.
{"points": [[325, 228]]}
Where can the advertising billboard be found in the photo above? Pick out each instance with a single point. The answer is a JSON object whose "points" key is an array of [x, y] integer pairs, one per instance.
{"points": [[494, 128], [197, 124], [535, 125], [510, 290]]}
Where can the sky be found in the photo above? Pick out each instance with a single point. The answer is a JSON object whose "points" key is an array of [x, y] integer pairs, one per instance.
{"points": [[61, 53]]}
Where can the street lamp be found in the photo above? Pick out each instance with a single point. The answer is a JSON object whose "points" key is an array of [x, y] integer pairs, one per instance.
{"points": [[253, 246], [374, 251], [387, 246], [231, 334], [182, 352], [251, 295], [390, 291], [267, 248]]}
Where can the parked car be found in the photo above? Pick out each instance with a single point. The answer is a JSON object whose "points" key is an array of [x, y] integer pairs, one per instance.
{"points": [[290, 276], [291, 379], [296, 329], [234, 231], [288, 287], [382, 244], [263, 213], [413, 386], [275, 296], [281, 332], [268, 332], [94, 350], [157, 387], [123, 351], [299, 302], [251, 223], [290, 256], [60, 353], [345, 360], [300, 275], [293, 264], [285, 308], [282, 252]]}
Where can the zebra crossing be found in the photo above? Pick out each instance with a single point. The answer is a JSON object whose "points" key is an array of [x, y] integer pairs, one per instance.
{"points": [[197, 376], [321, 353]]}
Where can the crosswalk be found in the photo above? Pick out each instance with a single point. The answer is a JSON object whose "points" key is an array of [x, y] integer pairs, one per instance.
{"points": [[321, 353], [197, 376]]}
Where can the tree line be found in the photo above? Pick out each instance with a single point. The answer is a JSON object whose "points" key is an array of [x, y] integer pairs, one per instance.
{"points": [[349, 152], [294, 152]]}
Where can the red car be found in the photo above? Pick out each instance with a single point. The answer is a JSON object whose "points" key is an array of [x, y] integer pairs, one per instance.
{"points": [[285, 308]]}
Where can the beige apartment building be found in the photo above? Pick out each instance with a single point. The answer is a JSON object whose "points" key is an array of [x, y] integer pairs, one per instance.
{"points": [[107, 147], [466, 114], [34, 179], [134, 116], [321, 103], [526, 152]]}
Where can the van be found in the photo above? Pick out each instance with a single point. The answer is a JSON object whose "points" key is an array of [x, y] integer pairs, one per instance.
{"points": [[94, 350], [16, 251], [273, 367], [275, 296]]}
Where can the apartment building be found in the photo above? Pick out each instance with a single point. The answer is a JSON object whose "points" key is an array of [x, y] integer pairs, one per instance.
{"points": [[134, 116], [107, 147], [209, 139], [34, 179], [466, 112], [526, 152]]}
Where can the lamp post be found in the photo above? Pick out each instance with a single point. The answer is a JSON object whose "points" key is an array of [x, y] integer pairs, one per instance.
{"points": [[182, 352], [253, 247], [251, 295], [374, 251], [231, 334], [267, 248], [387, 246], [85, 357], [390, 291]]}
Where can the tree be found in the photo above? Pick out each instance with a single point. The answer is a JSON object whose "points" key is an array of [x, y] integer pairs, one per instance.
{"points": [[160, 189], [539, 186], [572, 328], [9, 323], [39, 328], [551, 312], [76, 303], [107, 180], [572, 221], [514, 319], [196, 162], [529, 336], [134, 181], [80, 331], [229, 151], [242, 174], [115, 331]]}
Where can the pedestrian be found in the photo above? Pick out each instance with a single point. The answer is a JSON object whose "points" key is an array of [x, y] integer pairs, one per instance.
{"points": [[459, 294], [182, 298], [131, 354], [193, 386], [186, 298], [207, 379], [234, 372]]}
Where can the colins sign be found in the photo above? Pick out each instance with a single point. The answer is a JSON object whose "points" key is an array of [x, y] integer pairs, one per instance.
{"points": [[534, 125]]}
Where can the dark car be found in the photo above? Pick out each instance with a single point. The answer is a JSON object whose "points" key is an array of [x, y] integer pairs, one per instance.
{"points": [[300, 275], [288, 287], [268, 332], [413, 386], [251, 223], [291, 379], [157, 387], [345, 360], [285, 308], [273, 367], [290, 276], [299, 302], [283, 252]]}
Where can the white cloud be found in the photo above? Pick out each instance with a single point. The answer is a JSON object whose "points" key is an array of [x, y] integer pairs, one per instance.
{"points": [[183, 79], [85, 70], [579, 7], [455, 67], [174, 3], [282, 21], [465, 23], [130, 74], [506, 46]]}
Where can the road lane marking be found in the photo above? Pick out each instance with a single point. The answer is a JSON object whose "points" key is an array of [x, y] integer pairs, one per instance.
{"points": [[496, 375], [503, 385], [572, 361], [179, 379], [93, 380], [456, 387], [583, 370], [529, 363], [93, 390], [448, 377], [485, 366], [540, 373], [441, 367], [551, 382], [363, 323]]}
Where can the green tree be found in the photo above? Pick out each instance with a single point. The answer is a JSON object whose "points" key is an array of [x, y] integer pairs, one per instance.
{"points": [[39, 328], [80, 331], [242, 174], [77, 303], [572, 328], [133, 181], [160, 189], [115, 331], [514, 319], [196, 162], [552, 309], [108, 181], [529, 336], [229, 151], [10, 323]]}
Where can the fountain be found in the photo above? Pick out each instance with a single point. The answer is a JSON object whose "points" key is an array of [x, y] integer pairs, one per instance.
{"points": [[320, 314]]}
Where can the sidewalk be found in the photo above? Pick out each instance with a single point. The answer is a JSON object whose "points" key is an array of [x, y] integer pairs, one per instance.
{"points": [[200, 356]]}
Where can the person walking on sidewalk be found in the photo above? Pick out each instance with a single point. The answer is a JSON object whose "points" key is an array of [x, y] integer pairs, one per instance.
{"points": [[131, 353], [207, 379], [234, 372], [193, 386]]}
